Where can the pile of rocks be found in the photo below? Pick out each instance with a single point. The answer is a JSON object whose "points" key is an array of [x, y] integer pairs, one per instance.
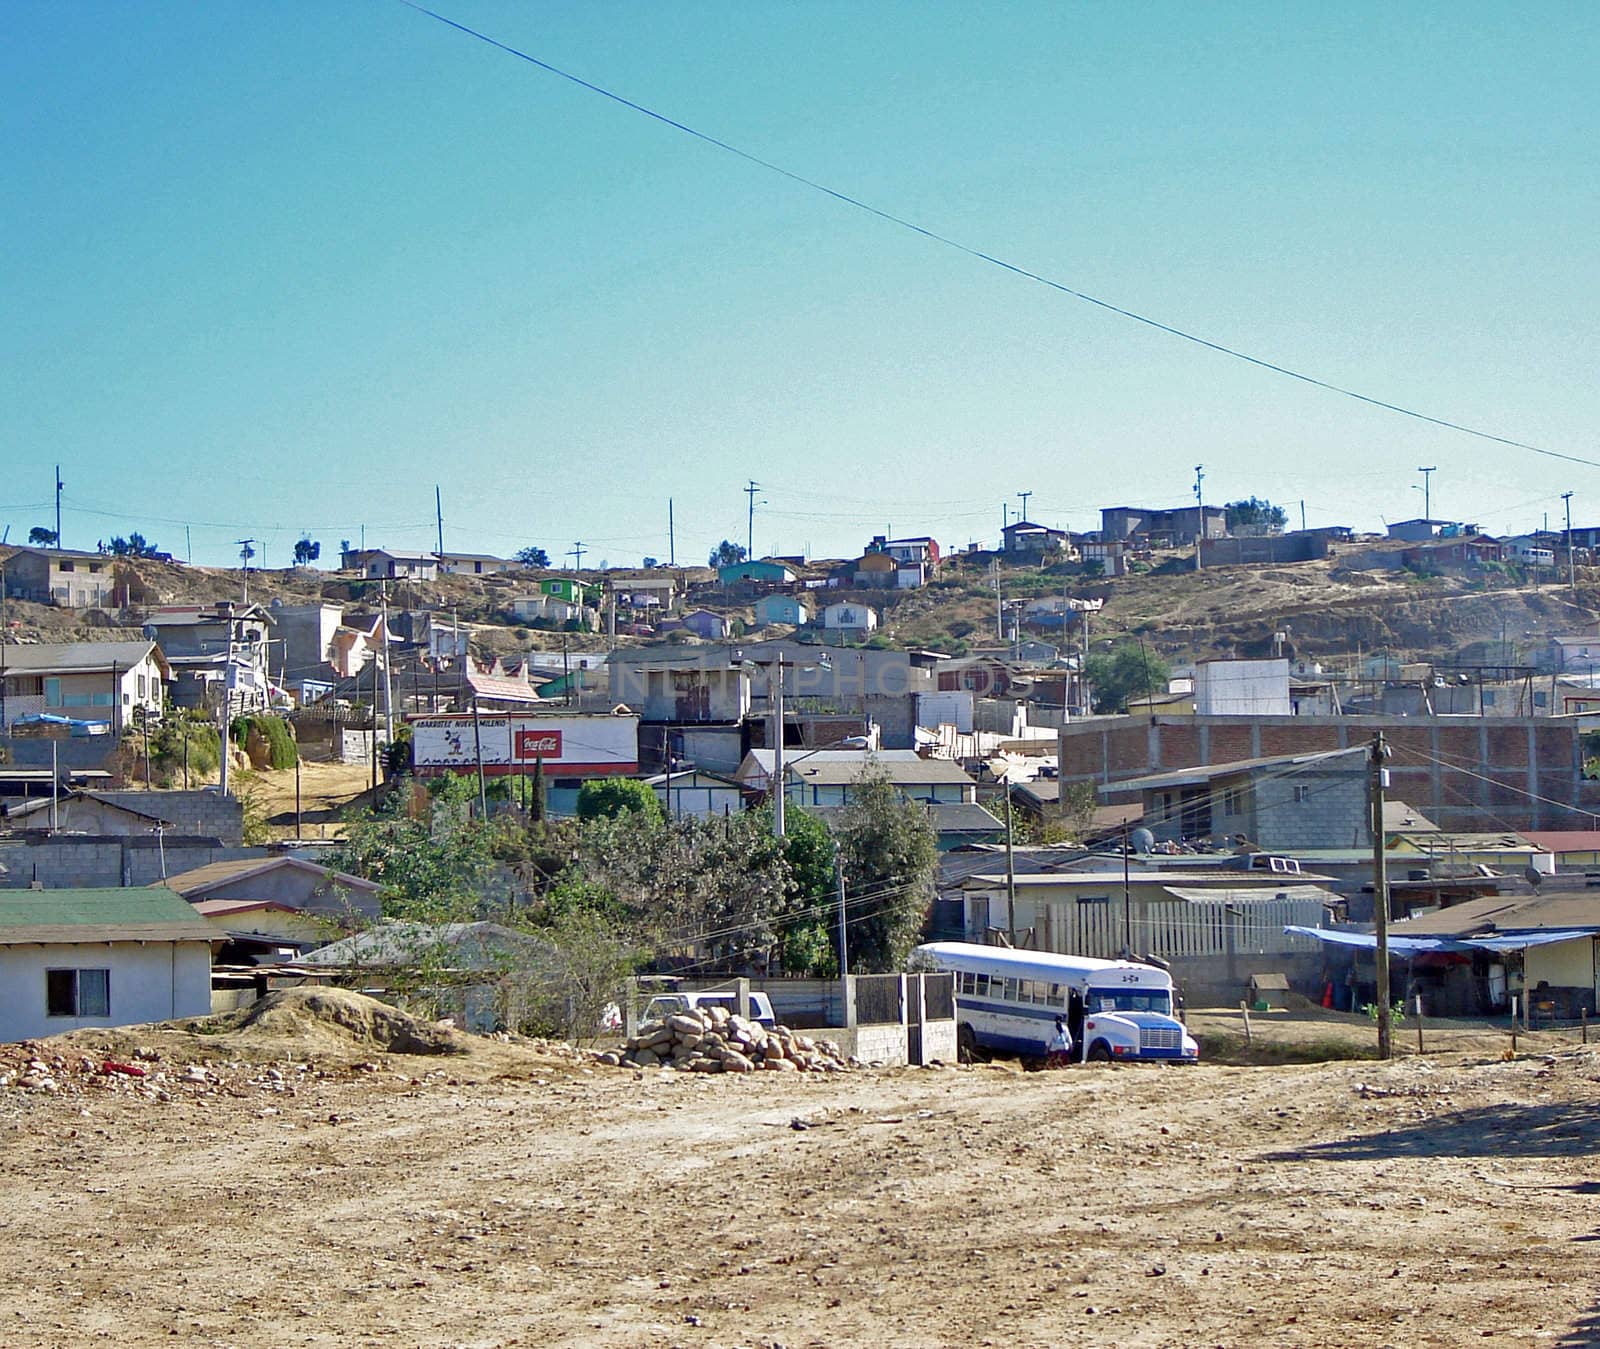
{"points": [[43, 1069], [712, 1040]]}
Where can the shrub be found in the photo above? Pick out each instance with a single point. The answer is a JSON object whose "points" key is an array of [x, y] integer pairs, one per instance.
{"points": [[266, 739]]}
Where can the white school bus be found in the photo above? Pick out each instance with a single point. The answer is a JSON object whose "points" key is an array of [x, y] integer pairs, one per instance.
{"points": [[1007, 1000]]}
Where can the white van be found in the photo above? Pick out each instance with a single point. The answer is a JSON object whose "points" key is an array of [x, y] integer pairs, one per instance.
{"points": [[663, 1005], [1008, 1000]]}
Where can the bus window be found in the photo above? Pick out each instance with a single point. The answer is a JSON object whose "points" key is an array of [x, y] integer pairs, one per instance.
{"points": [[1024, 990], [980, 984], [1009, 990]]}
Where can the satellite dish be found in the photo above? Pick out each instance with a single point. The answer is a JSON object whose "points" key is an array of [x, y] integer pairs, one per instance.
{"points": [[1141, 840], [1533, 876]]}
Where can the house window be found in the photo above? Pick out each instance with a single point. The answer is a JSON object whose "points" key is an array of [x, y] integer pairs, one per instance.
{"points": [[141, 686], [1541, 698], [1233, 802], [52, 693], [77, 992], [1302, 793], [1488, 697], [67, 566]]}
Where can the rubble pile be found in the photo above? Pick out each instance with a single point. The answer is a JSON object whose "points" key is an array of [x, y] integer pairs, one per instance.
{"points": [[712, 1040], [43, 1070]]}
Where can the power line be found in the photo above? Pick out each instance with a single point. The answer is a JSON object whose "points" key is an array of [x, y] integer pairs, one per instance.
{"points": [[993, 260]]}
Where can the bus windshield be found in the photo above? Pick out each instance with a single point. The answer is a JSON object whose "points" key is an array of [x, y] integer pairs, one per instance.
{"points": [[1130, 1000]]}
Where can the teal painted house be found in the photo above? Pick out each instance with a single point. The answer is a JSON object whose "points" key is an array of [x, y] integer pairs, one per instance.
{"points": [[790, 609], [763, 573]]}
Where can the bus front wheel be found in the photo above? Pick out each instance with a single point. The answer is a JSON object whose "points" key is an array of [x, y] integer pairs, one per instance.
{"points": [[967, 1044], [1099, 1052]]}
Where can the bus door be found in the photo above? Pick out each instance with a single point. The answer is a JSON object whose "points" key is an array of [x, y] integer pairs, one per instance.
{"points": [[1075, 1015]]}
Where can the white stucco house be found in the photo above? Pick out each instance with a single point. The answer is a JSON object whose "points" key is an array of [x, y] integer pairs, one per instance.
{"points": [[71, 959], [849, 617]]}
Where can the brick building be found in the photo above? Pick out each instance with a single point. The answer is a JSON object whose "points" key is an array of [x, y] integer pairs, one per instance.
{"points": [[1463, 772]]}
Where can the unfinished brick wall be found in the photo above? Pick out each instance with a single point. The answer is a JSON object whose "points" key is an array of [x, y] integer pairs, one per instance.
{"points": [[1524, 758]]}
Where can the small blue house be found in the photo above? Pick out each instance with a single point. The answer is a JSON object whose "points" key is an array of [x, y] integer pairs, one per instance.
{"points": [[790, 609]]}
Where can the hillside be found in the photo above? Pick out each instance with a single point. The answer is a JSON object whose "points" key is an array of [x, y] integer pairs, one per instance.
{"points": [[1325, 608]]}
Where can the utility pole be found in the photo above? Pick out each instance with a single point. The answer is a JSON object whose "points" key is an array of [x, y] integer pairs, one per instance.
{"points": [[388, 687], [1427, 485], [672, 537], [777, 751], [1127, 898], [477, 752], [246, 552], [1011, 873], [844, 941], [577, 550], [438, 515], [1572, 566], [59, 486], [1024, 496], [1200, 513], [1376, 776], [999, 604], [750, 528]]}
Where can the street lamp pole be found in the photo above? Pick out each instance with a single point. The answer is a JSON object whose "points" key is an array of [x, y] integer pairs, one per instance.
{"points": [[1572, 566], [777, 753], [1427, 495]]}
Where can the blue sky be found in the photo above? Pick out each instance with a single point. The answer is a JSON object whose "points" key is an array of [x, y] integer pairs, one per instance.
{"points": [[273, 269]]}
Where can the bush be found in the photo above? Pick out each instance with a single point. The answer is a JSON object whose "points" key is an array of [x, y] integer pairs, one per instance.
{"points": [[266, 739]]}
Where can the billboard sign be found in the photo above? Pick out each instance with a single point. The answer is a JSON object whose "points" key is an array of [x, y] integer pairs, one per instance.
{"points": [[574, 745]]}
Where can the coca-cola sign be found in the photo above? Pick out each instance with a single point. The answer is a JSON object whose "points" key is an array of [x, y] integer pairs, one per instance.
{"points": [[537, 745]]}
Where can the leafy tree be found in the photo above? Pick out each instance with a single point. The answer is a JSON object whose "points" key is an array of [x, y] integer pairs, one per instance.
{"points": [[1255, 512], [1130, 671], [428, 855], [306, 551], [45, 538], [889, 852], [135, 545], [533, 557], [611, 797], [651, 562], [727, 554], [807, 939]]}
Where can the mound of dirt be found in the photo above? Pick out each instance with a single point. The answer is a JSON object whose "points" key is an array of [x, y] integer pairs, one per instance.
{"points": [[332, 1018]]}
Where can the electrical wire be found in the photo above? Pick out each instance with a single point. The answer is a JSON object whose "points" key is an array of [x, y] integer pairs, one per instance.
{"points": [[903, 222]]}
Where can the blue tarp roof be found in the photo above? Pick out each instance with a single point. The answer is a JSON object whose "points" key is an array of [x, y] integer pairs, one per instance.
{"points": [[1410, 946]]}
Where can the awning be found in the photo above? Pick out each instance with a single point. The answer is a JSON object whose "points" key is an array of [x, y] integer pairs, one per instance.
{"points": [[1410, 946]]}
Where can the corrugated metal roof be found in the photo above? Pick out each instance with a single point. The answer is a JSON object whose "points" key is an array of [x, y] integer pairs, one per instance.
{"points": [[77, 657], [200, 879], [1199, 776]]}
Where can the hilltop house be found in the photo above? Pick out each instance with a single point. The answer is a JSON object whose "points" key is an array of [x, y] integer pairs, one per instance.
{"points": [[113, 682], [705, 624], [764, 573], [788, 609], [474, 564], [1163, 528], [59, 576], [846, 617], [1023, 538], [390, 564]]}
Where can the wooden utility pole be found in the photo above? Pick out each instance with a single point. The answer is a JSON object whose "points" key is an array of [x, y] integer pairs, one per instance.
{"points": [[1376, 776], [1011, 872]]}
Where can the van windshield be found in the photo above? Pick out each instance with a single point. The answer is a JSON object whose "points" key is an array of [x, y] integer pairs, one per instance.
{"points": [[1130, 1000]]}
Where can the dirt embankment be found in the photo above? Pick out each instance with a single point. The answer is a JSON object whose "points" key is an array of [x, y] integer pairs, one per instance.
{"points": [[509, 1197]]}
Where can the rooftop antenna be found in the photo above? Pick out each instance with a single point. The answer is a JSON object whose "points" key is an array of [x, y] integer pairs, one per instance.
{"points": [[1200, 512]]}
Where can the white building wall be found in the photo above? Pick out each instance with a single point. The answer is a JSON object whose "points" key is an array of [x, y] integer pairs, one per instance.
{"points": [[1252, 688], [154, 981]]}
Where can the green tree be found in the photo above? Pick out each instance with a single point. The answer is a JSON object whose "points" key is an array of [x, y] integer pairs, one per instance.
{"points": [[533, 557], [890, 852], [1255, 512], [135, 545], [1130, 671], [807, 930], [727, 554], [306, 551], [429, 856], [611, 797], [45, 538]]}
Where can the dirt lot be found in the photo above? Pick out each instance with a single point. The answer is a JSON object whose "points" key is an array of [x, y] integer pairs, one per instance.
{"points": [[509, 1196]]}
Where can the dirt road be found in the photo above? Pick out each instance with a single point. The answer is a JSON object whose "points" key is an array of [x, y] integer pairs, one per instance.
{"points": [[429, 1202]]}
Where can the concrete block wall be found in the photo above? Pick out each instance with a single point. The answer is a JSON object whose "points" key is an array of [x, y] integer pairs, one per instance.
{"points": [[77, 861], [199, 814]]}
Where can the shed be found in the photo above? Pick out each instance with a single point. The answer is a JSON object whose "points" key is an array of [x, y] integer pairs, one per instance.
{"points": [[1269, 990]]}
